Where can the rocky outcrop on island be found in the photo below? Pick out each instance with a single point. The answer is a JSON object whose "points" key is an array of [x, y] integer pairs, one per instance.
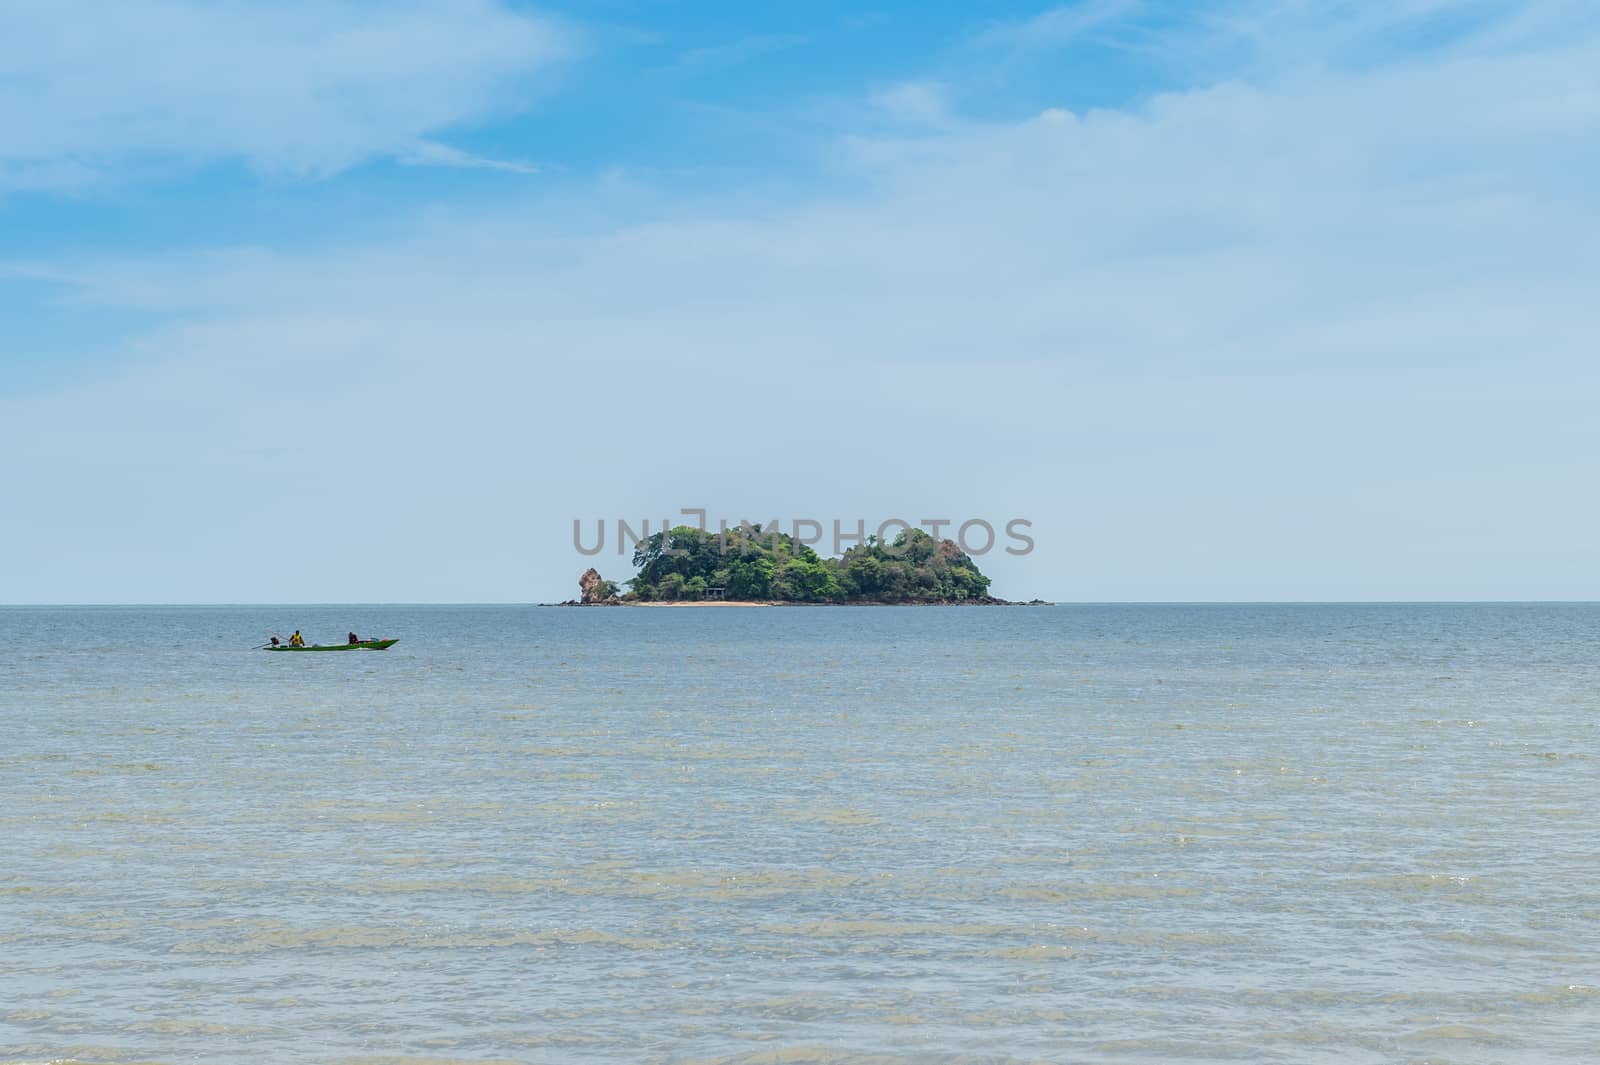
{"points": [[596, 590]]}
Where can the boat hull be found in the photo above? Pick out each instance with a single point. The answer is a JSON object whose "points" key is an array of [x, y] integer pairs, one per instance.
{"points": [[364, 645]]}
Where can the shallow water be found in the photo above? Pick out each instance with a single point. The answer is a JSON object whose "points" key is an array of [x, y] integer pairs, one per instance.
{"points": [[1085, 834]]}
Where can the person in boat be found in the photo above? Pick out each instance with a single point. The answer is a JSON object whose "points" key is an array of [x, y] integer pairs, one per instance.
{"points": [[275, 641], [354, 638], [297, 640]]}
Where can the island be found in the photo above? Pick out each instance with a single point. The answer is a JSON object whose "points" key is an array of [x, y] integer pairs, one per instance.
{"points": [[748, 566]]}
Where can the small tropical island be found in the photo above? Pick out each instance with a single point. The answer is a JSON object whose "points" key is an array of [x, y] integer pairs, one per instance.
{"points": [[687, 565]]}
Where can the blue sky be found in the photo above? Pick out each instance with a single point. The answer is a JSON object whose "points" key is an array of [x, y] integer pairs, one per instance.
{"points": [[1261, 299]]}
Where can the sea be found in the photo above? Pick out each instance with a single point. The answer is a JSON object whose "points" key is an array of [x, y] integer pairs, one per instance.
{"points": [[1119, 834]]}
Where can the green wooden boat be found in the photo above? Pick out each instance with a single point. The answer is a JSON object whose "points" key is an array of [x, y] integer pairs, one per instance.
{"points": [[364, 645]]}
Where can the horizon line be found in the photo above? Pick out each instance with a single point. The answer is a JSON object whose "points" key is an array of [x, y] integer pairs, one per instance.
{"points": [[1051, 602]]}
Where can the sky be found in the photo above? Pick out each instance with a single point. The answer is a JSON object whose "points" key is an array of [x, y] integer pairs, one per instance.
{"points": [[351, 301]]}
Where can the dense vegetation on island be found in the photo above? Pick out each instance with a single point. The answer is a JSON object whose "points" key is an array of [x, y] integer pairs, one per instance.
{"points": [[748, 564]]}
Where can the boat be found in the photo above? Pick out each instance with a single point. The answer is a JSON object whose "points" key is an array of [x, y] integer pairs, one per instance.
{"points": [[364, 645]]}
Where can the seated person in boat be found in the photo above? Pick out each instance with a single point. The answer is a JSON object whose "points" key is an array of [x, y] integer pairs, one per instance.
{"points": [[275, 641], [354, 638], [297, 640]]}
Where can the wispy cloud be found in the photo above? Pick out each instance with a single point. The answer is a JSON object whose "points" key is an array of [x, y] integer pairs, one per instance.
{"points": [[735, 53], [918, 102], [298, 87], [1058, 26], [432, 153], [1262, 38]]}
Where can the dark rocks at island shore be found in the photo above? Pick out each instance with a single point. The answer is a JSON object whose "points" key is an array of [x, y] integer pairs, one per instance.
{"points": [[594, 588]]}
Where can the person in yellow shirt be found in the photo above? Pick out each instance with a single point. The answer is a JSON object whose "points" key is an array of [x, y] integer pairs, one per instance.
{"points": [[297, 640]]}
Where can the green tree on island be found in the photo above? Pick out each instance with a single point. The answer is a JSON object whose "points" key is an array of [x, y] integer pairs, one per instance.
{"points": [[752, 564]]}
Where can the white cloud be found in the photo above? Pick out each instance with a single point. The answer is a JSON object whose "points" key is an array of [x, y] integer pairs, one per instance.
{"points": [[301, 87]]}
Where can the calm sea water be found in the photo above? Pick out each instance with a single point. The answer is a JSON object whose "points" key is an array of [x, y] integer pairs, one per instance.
{"points": [[1070, 834]]}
